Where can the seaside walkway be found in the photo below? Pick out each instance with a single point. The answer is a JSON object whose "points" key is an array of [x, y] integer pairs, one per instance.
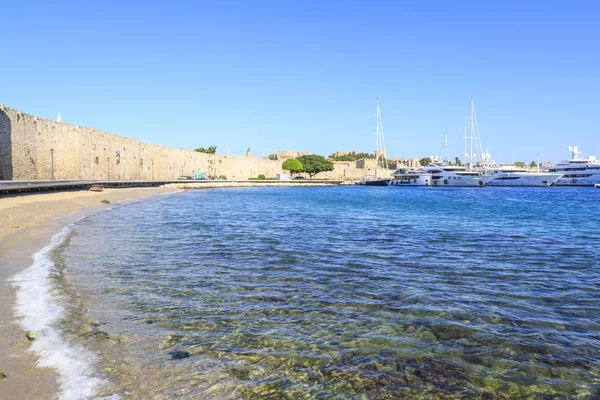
{"points": [[16, 187]]}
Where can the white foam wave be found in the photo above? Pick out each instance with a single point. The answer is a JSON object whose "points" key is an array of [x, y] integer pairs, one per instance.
{"points": [[39, 306]]}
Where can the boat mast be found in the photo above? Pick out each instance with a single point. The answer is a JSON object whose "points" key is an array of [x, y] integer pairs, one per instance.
{"points": [[377, 139], [446, 145], [471, 137], [380, 151], [465, 142]]}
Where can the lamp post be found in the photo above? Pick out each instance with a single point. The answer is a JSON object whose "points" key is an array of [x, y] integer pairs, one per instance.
{"points": [[52, 164]]}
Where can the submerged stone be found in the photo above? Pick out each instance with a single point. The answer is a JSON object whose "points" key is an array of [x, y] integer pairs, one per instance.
{"points": [[31, 336], [179, 354], [170, 341], [3, 376], [105, 201], [101, 334], [241, 374]]}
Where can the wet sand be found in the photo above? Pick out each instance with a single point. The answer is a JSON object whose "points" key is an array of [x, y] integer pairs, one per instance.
{"points": [[27, 223]]}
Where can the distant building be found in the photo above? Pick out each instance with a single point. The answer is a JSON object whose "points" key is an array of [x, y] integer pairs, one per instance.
{"points": [[284, 155], [248, 153]]}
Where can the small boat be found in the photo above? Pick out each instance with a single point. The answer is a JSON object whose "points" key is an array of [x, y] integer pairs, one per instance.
{"points": [[597, 185], [404, 177]]}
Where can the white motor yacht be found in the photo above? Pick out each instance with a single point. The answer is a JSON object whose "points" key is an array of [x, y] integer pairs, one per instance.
{"points": [[578, 171], [410, 178], [510, 175], [453, 175]]}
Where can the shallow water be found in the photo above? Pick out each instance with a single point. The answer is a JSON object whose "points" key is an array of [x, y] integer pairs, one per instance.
{"points": [[347, 292]]}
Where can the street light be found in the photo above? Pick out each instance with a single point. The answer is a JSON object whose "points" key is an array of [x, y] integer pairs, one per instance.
{"points": [[52, 158]]}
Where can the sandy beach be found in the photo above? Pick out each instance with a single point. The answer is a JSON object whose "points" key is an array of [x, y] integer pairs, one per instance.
{"points": [[27, 223]]}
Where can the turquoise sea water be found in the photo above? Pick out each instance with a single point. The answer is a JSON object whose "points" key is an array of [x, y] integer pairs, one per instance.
{"points": [[346, 292]]}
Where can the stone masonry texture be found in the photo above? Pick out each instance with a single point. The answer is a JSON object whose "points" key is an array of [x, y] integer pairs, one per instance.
{"points": [[86, 153]]}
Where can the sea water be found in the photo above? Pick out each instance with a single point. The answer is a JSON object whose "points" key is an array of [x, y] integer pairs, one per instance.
{"points": [[338, 293]]}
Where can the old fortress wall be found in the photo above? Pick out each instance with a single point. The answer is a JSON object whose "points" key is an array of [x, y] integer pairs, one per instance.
{"points": [[86, 153]]}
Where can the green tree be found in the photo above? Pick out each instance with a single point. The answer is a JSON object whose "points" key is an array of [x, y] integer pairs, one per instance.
{"points": [[272, 157], [520, 164], [314, 164], [343, 158], [532, 164], [425, 161], [292, 165], [457, 161], [210, 150]]}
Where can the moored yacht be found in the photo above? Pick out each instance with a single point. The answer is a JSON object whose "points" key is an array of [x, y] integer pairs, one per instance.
{"points": [[453, 175], [404, 177], [578, 171], [510, 175]]}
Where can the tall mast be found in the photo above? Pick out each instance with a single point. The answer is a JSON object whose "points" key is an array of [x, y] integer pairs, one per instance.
{"points": [[377, 139], [465, 142], [471, 128], [380, 151], [446, 145]]}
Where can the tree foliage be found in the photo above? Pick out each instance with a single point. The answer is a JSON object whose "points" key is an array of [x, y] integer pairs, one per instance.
{"points": [[425, 161], [292, 165], [352, 156], [272, 157], [532, 164], [457, 161], [520, 164], [343, 158], [314, 164], [210, 150]]}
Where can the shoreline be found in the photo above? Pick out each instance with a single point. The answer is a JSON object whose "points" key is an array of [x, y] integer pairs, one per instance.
{"points": [[27, 224]]}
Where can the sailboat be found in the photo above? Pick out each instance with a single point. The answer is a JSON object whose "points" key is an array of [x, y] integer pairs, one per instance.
{"points": [[443, 174], [382, 174], [507, 175]]}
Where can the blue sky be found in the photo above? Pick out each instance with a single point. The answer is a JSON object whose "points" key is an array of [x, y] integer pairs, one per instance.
{"points": [[304, 75]]}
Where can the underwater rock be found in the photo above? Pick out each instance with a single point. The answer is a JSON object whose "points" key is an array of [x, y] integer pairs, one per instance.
{"points": [[170, 341], [86, 330], [3, 376], [426, 335], [31, 336], [451, 332], [101, 334], [241, 374], [179, 355], [105, 201]]}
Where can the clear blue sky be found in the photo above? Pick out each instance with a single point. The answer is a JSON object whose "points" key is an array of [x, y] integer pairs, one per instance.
{"points": [[304, 75]]}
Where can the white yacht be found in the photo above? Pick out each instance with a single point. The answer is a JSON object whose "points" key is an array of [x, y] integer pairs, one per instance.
{"points": [[404, 177], [578, 171], [510, 175], [453, 175]]}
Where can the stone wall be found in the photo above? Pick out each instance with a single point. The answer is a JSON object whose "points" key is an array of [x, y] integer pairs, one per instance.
{"points": [[5, 147], [85, 153]]}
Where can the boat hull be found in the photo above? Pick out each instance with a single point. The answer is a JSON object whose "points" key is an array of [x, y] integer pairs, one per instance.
{"points": [[378, 182], [461, 181], [410, 179], [525, 180], [592, 180]]}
